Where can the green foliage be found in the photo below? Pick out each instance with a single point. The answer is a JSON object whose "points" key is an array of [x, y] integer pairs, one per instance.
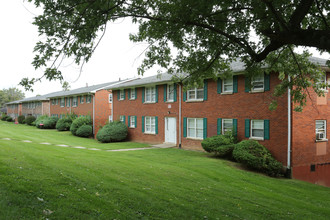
{"points": [[10, 95], [112, 132], [78, 122], [9, 119], [21, 119], [255, 156], [64, 124], [46, 122], [220, 145], [4, 117], [30, 120], [199, 38], [85, 131]]}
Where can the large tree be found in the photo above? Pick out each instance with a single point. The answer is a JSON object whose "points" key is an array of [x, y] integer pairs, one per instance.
{"points": [[9, 95], [197, 37]]}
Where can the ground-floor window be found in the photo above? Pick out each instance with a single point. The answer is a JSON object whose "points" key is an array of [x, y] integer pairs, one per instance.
{"points": [[132, 121], [122, 118], [195, 128], [150, 125]]}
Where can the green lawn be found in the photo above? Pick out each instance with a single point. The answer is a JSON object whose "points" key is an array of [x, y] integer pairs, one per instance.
{"points": [[39, 182]]}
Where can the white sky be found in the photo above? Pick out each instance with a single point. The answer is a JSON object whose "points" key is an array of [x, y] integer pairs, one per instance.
{"points": [[116, 57]]}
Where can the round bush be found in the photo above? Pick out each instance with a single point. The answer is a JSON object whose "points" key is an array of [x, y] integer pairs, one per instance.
{"points": [[41, 120], [50, 123], [63, 124], [112, 132], [220, 145], [29, 120], [9, 119], [21, 119], [78, 122], [257, 157], [85, 131]]}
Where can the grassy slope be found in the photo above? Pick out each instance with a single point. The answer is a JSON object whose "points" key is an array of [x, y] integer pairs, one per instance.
{"points": [[10, 130], [160, 183]]}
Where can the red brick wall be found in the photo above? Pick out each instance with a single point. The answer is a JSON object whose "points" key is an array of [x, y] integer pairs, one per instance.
{"points": [[35, 111], [137, 108], [241, 106], [80, 109], [305, 150], [102, 109], [46, 108]]}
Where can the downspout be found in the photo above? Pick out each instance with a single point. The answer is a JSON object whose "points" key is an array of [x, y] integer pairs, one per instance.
{"points": [[289, 133], [94, 115], [112, 105], [179, 115]]}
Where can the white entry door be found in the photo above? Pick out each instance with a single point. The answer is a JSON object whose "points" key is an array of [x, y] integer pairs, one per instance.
{"points": [[170, 130]]}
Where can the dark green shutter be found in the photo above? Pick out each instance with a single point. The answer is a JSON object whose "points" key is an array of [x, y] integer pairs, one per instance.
{"points": [[165, 93], [205, 89], [142, 122], [135, 93], [247, 84], [184, 96], [235, 127], [204, 128], [124, 93], [156, 125], [175, 93], [129, 94], [128, 121], [156, 88], [219, 123], [118, 95], [77, 101], [143, 94], [184, 127], [135, 120], [267, 81], [247, 128], [219, 86], [235, 84], [266, 129], [124, 119]]}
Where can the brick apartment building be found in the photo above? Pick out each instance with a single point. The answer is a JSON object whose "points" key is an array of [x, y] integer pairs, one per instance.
{"points": [[156, 111]]}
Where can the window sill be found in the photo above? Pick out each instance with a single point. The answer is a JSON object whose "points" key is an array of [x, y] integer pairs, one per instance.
{"points": [[196, 139], [131, 127], [149, 133], [195, 100], [257, 91], [149, 102], [322, 140], [169, 101], [226, 93], [257, 138], [131, 99]]}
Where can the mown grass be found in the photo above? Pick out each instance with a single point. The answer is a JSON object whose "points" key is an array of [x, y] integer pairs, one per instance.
{"points": [[39, 182], [31, 133]]}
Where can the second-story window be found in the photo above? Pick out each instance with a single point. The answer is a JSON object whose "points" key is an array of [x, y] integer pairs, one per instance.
{"points": [[227, 85], [132, 94], [121, 94], [88, 99], [150, 94], [320, 129], [170, 92], [75, 101], [62, 102], [257, 83], [82, 99], [67, 102], [195, 94], [110, 98]]}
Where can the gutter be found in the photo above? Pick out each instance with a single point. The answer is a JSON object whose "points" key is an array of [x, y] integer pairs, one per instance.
{"points": [[289, 133]]}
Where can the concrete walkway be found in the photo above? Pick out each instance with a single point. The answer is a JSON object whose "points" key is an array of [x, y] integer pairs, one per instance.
{"points": [[156, 146]]}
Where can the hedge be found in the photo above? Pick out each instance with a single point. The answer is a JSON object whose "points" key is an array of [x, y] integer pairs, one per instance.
{"points": [[220, 145], [85, 131], [21, 119], [112, 132], [29, 120], [78, 122], [64, 124]]}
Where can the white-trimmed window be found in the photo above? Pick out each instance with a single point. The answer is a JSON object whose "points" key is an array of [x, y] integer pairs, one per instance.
{"points": [[110, 118], [62, 102], [132, 94], [110, 98], [53, 101], [323, 80], [321, 129], [227, 125], [195, 128], [122, 118], [150, 94], [195, 94], [56, 103], [257, 129], [227, 85], [132, 121], [258, 83], [150, 125], [170, 92], [75, 101], [68, 102], [121, 94], [81, 99], [88, 99]]}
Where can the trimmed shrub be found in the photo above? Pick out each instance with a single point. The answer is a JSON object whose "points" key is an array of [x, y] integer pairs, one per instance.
{"points": [[255, 156], [220, 145], [85, 131], [63, 124], [112, 132], [50, 123], [29, 120], [41, 120], [9, 119], [21, 119], [78, 122], [4, 118]]}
